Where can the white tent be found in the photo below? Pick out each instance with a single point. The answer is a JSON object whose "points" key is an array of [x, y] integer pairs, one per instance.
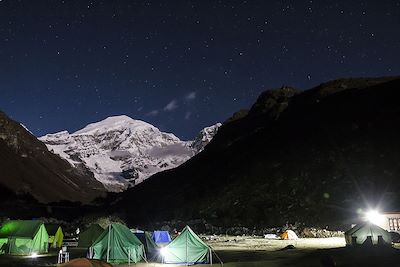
{"points": [[367, 233], [289, 235]]}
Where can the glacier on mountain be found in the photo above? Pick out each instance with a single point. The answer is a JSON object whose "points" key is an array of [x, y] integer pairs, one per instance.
{"points": [[123, 152]]}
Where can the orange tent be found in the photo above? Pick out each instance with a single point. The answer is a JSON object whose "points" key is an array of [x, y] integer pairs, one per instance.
{"points": [[289, 235]]}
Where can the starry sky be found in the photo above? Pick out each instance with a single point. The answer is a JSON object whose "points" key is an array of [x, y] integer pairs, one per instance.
{"points": [[180, 65]]}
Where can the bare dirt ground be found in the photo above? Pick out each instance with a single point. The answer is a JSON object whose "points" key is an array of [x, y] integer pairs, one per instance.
{"points": [[237, 251], [260, 252]]}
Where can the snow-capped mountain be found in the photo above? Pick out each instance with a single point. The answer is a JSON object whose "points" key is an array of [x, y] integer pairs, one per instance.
{"points": [[204, 137], [121, 151]]}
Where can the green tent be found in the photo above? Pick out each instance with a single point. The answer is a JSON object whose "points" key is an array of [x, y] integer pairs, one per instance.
{"points": [[87, 237], [56, 235], [367, 233], [187, 248], [117, 244], [23, 237]]}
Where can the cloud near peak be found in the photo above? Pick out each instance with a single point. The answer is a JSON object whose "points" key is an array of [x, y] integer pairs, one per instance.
{"points": [[153, 113], [173, 104], [188, 114], [190, 96]]}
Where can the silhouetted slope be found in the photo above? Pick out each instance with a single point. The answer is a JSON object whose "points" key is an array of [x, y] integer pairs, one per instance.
{"points": [[314, 156], [26, 166]]}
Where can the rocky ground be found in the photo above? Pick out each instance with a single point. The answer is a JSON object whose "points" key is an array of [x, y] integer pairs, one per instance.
{"points": [[250, 243], [204, 227]]}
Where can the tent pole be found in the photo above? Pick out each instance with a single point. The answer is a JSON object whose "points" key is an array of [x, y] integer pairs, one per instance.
{"points": [[211, 261], [187, 249], [108, 243], [372, 237], [145, 256], [216, 255]]}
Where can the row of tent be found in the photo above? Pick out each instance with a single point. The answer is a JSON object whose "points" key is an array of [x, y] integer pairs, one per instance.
{"points": [[368, 234], [24, 237], [118, 244], [88, 236]]}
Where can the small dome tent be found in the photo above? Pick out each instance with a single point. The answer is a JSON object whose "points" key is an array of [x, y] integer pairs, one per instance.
{"points": [[289, 235], [161, 237]]}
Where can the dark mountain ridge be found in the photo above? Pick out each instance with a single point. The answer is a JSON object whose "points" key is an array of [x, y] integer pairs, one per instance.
{"points": [[27, 167], [313, 156]]}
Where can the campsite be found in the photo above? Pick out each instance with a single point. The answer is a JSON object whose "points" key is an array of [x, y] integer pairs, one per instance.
{"points": [[199, 133], [255, 252], [120, 246]]}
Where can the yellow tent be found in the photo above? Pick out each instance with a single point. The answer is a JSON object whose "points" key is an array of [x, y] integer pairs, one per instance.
{"points": [[56, 235]]}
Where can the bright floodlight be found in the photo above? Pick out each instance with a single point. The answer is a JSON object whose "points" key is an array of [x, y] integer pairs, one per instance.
{"points": [[163, 251], [34, 255], [374, 216]]}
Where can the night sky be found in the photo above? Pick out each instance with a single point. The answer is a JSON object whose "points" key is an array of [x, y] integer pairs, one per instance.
{"points": [[180, 65]]}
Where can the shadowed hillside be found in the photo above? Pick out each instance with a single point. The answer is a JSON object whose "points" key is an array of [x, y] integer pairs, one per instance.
{"points": [[26, 166], [314, 156]]}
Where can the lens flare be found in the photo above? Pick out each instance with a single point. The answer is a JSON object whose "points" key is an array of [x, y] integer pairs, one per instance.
{"points": [[163, 251], [374, 217]]}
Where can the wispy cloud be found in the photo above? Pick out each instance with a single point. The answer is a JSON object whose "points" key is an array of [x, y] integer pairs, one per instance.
{"points": [[173, 104], [190, 96], [188, 114], [153, 113]]}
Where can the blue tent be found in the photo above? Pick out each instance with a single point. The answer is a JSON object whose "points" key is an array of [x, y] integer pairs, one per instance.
{"points": [[161, 237]]}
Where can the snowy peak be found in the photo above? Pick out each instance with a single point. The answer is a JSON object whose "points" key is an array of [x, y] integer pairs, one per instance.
{"points": [[204, 137], [122, 152], [114, 123], [56, 138]]}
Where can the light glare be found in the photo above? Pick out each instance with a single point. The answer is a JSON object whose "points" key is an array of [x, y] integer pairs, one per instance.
{"points": [[163, 251], [374, 217]]}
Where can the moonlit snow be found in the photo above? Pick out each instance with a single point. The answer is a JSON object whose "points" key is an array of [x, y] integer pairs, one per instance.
{"points": [[122, 152]]}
